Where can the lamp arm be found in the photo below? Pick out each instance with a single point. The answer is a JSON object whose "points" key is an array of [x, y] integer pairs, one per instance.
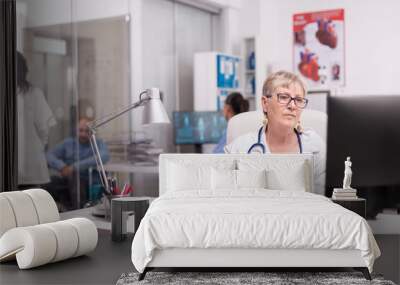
{"points": [[93, 143], [104, 120], [99, 162]]}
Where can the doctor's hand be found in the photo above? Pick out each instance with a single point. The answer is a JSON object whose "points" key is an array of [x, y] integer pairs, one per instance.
{"points": [[67, 171]]}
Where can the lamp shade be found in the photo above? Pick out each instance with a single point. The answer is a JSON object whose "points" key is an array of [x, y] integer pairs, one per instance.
{"points": [[154, 111]]}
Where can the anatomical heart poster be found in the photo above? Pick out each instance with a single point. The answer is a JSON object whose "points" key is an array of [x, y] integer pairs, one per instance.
{"points": [[318, 48]]}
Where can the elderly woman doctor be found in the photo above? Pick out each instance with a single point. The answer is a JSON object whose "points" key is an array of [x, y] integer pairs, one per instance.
{"points": [[282, 102]]}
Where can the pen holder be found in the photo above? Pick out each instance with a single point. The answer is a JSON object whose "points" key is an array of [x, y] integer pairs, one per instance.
{"points": [[103, 209]]}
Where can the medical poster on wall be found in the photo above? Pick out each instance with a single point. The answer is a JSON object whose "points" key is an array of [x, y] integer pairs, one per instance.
{"points": [[318, 48]]}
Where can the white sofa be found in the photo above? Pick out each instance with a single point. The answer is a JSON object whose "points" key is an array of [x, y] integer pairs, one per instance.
{"points": [[31, 230]]}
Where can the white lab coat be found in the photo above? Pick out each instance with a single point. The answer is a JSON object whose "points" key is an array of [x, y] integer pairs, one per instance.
{"points": [[34, 120], [311, 143]]}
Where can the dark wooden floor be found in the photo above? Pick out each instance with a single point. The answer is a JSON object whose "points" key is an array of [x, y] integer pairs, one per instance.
{"points": [[111, 259], [102, 266]]}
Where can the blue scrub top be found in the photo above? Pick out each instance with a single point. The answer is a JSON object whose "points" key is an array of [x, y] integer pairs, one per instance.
{"points": [[219, 148]]}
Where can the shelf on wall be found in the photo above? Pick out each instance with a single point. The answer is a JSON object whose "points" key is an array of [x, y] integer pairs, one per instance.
{"points": [[249, 73], [249, 95]]}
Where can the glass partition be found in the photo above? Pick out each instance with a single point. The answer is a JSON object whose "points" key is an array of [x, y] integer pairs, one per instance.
{"points": [[71, 69]]}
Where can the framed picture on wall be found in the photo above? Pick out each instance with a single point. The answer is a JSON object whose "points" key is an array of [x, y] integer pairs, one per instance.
{"points": [[318, 100], [318, 48]]}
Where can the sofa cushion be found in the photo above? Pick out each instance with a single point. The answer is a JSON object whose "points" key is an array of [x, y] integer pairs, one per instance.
{"points": [[67, 240], [87, 235], [45, 206], [7, 220], [23, 208]]}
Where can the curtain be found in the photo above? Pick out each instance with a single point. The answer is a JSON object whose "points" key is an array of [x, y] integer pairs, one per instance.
{"points": [[8, 99]]}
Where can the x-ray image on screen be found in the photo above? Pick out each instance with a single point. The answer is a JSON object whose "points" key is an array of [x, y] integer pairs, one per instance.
{"points": [[198, 127]]}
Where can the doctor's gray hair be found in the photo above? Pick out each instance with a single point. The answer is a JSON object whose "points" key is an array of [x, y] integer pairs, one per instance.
{"points": [[282, 79]]}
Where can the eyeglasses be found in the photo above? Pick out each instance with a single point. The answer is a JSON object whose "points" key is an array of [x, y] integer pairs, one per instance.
{"points": [[285, 99]]}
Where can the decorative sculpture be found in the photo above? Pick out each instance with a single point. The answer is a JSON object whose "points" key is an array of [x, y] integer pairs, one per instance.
{"points": [[347, 174]]}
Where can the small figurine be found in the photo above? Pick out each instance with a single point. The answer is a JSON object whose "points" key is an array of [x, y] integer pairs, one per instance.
{"points": [[347, 174]]}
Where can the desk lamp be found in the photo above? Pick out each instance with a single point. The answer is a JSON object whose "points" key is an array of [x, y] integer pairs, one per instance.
{"points": [[153, 113]]}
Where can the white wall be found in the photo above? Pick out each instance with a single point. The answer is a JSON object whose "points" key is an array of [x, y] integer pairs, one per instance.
{"points": [[50, 12], [372, 42], [216, 3], [249, 19], [21, 12]]}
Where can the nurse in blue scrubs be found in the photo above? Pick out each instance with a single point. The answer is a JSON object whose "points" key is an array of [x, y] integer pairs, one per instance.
{"points": [[234, 104]]}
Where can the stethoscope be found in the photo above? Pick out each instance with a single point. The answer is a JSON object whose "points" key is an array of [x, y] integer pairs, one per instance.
{"points": [[261, 146]]}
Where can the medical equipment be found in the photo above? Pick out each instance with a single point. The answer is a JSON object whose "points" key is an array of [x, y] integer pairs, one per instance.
{"points": [[258, 147]]}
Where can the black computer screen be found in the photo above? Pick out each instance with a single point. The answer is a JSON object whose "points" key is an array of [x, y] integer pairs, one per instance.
{"points": [[366, 128], [198, 127]]}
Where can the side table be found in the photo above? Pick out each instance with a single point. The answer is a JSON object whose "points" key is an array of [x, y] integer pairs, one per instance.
{"points": [[357, 205], [120, 207]]}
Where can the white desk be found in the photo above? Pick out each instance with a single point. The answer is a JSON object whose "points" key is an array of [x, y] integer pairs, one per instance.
{"points": [[126, 168], [131, 168], [101, 223]]}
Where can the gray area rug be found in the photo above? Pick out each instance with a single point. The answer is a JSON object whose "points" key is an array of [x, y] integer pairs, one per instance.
{"points": [[225, 278]]}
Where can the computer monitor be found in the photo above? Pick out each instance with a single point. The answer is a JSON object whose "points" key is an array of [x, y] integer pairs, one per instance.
{"points": [[198, 127], [366, 128]]}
